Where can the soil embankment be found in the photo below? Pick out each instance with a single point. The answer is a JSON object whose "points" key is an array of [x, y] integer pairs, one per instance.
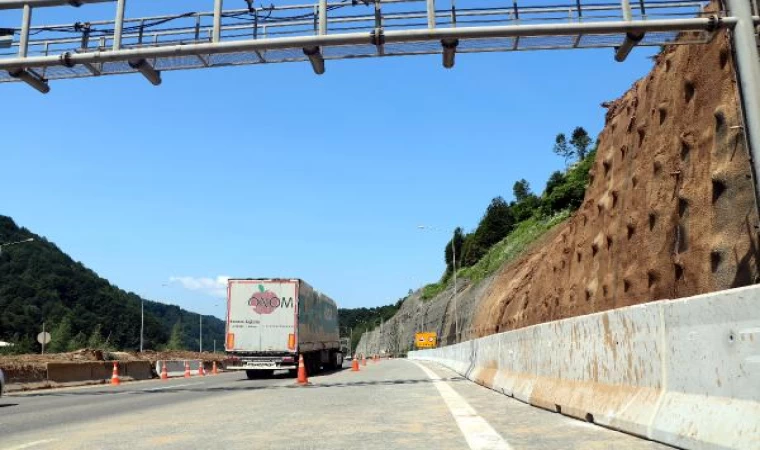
{"points": [[32, 371]]}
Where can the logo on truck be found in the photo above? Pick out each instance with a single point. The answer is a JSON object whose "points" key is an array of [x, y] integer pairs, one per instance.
{"points": [[265, 302]]}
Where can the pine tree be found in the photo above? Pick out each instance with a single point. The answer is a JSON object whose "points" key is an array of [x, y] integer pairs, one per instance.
{"points": [[175, 341], [521, 190], [95, 340], [77, 342], [61, 336], [561, 148], [581, 141]]}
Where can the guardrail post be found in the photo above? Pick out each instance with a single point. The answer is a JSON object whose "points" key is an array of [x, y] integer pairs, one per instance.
{"points": [[26, 22], [217, 31], [118, 25]]}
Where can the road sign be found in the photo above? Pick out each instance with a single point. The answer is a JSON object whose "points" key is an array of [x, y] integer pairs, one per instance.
{"points": [[426, 339], [43, 338]]}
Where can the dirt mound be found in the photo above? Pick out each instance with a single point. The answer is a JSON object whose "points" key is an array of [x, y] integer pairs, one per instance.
{"points": [[670, 211], [26, 368]]}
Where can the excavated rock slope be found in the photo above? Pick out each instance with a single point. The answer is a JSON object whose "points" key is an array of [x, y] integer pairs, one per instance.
{"points": [[670, 212]]}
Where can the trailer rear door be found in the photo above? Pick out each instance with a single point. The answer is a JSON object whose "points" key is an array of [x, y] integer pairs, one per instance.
{"points": [[261, 315]]}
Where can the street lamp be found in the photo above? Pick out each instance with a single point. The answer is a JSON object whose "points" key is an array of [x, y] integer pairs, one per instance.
{"points": [[454, 263], [142, 321], [8, 244]]}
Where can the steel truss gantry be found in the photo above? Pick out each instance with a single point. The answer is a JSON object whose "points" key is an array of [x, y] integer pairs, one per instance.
{"points": [[331, 30], [336, 30]]}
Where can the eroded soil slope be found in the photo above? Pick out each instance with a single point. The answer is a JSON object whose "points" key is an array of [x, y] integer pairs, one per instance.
{"points": [[670, 211]]}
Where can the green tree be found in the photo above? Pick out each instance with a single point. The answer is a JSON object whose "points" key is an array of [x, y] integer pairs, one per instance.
{"points": [[561, 148], [77, 342], [175, 340], [521, 189], [454, 245], [95, 340], [495, 224], [556, 179], [581, 142], [61, 336]]}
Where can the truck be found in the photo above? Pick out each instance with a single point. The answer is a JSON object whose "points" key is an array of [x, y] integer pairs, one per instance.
{"points": [[272, 322]]}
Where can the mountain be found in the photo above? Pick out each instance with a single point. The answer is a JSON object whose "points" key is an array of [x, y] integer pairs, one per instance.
{"points": [[40, 283]]}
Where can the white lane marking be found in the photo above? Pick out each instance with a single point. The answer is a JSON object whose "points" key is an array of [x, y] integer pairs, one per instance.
{"points": [[479, 434], [171, 387], [32, 444]]}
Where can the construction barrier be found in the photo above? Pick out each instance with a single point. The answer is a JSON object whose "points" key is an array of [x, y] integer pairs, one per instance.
{"points": [[683, 372], [65, 372], [176, 368]]}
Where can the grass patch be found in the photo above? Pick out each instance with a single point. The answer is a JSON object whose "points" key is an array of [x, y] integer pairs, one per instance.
{"points": [[509, 248], [433, 289]]}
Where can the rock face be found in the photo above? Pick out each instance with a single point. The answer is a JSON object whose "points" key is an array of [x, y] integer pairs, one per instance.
{"points": [[670, 212]]}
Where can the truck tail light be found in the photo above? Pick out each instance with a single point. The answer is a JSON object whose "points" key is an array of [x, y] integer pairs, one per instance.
{"points": [[230, 340], [288, 359], [292, 341]]}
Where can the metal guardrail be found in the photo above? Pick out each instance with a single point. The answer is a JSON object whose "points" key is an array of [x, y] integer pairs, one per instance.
{"points": [[336, 30]]}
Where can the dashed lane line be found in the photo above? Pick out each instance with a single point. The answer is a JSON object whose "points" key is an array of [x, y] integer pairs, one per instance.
{"points": [[171, 387], [32, 444], [479, 434]]}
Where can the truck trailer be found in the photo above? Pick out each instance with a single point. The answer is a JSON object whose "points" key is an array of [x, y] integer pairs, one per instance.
{"points": [[271, 322]]}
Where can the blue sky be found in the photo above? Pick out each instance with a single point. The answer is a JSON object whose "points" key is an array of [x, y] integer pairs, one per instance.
{"points": [[273, 171]]}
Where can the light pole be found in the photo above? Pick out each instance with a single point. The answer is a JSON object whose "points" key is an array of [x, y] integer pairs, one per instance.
{"points": [[454, 263], [142, 321], [8, 244], [200, 333]]}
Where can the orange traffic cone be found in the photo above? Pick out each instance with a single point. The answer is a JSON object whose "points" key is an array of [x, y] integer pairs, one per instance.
{"points": [[115, 377], [364, 360], [355, 364], [302, 377], [187, 370], [201, 372], [213, 369], [164, 373]]}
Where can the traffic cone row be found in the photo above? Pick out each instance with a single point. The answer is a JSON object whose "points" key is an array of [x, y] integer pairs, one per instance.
{"points": [[115, 376], [302, 376]]}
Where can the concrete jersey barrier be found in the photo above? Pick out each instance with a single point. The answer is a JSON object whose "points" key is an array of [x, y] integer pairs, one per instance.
{"points": [[683, 372], [176, 368], [64, 372]]}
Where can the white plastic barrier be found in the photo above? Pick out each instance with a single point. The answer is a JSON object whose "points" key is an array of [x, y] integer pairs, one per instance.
{"points": [[684, 372], [176, 368]]}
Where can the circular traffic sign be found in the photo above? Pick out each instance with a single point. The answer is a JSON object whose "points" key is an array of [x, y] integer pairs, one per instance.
{"points": [[43, 338]]}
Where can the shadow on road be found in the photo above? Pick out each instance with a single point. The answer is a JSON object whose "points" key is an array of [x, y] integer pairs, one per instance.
{"points": [[5, 405], [243, 387]]}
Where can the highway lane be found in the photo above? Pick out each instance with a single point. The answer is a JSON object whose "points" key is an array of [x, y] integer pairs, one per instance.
{"points": [[27, 411], [390, 404]]}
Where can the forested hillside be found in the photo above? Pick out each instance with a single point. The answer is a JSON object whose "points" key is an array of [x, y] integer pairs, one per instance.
{"points": [[355, 321], [40, 283]]}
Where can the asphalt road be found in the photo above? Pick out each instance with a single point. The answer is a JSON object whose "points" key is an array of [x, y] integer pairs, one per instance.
{"points": [[387, 405]]}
